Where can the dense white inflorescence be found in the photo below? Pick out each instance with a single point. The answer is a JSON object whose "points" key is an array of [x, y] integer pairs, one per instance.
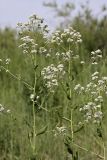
{"points": [[96, 56], [67, 36], [51, 74], [94, 90]]}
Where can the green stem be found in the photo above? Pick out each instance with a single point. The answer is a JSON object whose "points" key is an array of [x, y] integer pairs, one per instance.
{"points": [[104, 151], [69, 71], [101, 157], [17, 78], [34, 117], [72, 131]]}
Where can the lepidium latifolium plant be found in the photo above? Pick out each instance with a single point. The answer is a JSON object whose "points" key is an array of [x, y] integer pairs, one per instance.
{"points": [[91, 97], [84, 101], [68, 88], [28, 35]]}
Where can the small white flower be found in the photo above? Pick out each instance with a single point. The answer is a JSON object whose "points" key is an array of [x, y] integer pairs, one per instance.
{"points": [[32, 96], [1, 108], [98, 51], [82, 62], [77, 87], [95, 73], [98, 115], [8, 111], [34, 51], [104, 78], [101, 82], [95, 77], [94, 63], [7, 61]]}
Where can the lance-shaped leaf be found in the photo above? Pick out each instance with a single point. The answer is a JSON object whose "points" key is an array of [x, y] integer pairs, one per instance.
{"points": [[42, 131]]}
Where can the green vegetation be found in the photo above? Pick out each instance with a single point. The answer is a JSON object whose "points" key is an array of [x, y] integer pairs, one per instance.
{"points": [[53, 90]]}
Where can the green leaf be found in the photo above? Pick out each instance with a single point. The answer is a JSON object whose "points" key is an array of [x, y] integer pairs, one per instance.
{"points": [[42, 131], [79, 129], [35, 67]]}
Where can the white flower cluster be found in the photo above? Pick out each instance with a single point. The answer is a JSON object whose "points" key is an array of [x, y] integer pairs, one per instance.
{"points": [[28, 45], [92, 112], [94, 91], [66, 56], [4, 64], [60, 131], [8, 61], [78, 88], [82, 62], [95, 75], [42, 50], [51, 74], [3, 110], [98, 84], [35, 23], [68, 35], [34, 98], [95, 56]]}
